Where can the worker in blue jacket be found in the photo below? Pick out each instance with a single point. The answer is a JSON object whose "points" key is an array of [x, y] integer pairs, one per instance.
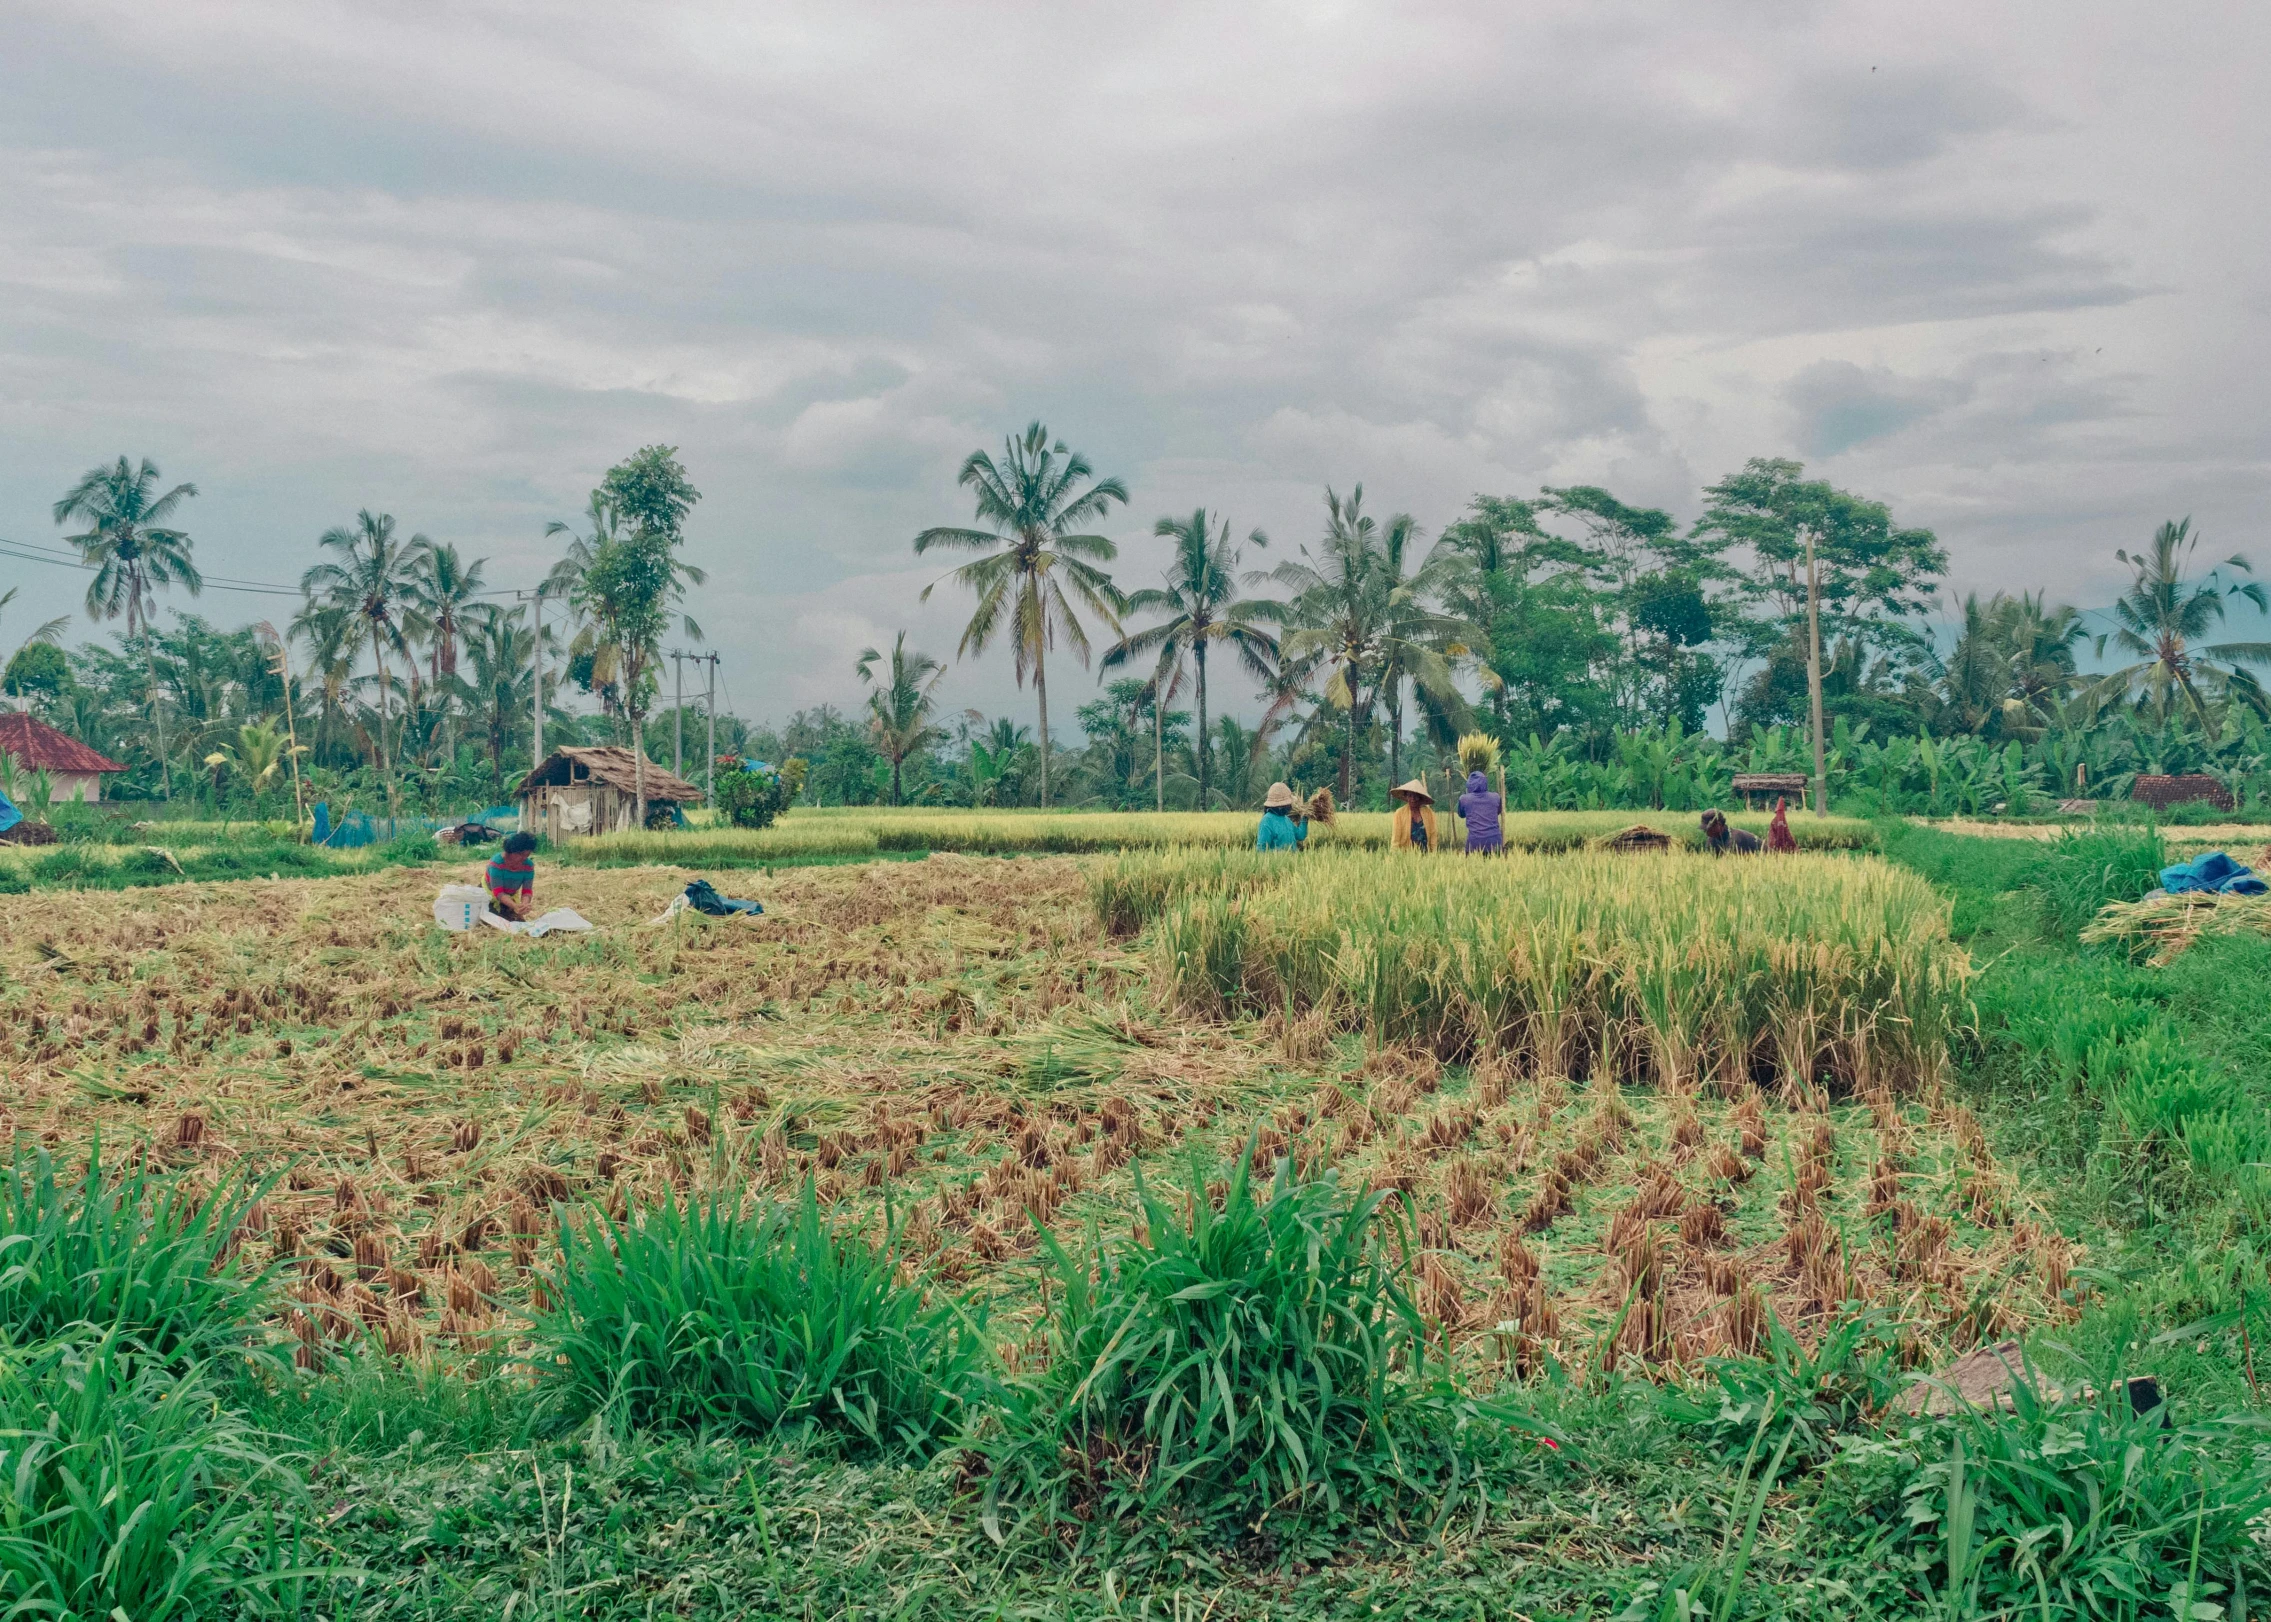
{"points": [[1281, 829]]}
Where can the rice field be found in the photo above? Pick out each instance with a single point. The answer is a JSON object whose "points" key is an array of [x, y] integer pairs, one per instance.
{"points": [[1624, 1143], [869, 830]]}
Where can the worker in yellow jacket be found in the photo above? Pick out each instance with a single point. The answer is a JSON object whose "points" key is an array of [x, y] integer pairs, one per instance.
{"points": [[1413, 826]]}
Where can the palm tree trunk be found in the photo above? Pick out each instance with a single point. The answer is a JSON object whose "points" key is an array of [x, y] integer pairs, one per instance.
{"points": [[1396, 731], [1159, 748], [1205, 778], [638, 774], [386, 769], [157, 709], [895, 794], [1041, 690], [1348, 750]]}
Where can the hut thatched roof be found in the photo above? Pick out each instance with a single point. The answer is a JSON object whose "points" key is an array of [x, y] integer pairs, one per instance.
{"points": [[610, 765]]}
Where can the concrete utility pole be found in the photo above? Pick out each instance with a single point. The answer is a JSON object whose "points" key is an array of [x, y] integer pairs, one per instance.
{"points": [[710, 709], [536, 665], [678, 716], [1814, 670]]}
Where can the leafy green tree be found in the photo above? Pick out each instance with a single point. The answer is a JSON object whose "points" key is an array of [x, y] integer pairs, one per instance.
{"points": [[371, 582], [500, 690], [37, 670], [1875, 577], [1203, 607], [1033, 504], [2163, 617], [133, 551], [901, 710]]}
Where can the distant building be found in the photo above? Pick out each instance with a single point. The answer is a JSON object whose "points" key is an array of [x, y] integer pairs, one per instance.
{"points": [[74, 771], [592, 791]]}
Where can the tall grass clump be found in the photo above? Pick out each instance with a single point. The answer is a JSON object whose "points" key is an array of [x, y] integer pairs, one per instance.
{"points": [[2077, 1508], [129, 1489], [708, 1314], [1246, 1356], [1659, 966], [130, 1252], [2083, 871]]}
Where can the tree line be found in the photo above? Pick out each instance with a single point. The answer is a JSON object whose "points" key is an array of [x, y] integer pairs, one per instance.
{"points": [[1620, 657]]}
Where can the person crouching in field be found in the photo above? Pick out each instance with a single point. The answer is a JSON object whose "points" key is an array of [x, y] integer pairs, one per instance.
{"points": [[1413, 826], [512, 876], [1281, 829], [1480, 806], [1721, 839]]}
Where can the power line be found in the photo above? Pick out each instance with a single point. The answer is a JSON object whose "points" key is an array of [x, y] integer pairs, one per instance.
{"points": [[33, 552]]}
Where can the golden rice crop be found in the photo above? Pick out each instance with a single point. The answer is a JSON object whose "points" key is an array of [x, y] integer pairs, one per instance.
{"points": [[1662, 966]]}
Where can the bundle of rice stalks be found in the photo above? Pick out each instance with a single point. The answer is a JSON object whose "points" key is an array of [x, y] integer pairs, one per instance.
{"points": [[2158, 929], [1478, 752]]}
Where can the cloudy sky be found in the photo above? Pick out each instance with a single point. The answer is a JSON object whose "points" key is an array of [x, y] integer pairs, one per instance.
{"points": [[2001, 266]]}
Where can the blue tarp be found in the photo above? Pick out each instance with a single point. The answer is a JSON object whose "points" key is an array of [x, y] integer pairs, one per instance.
{"points": [[2214, 872], [9, 815], [355, 829]]}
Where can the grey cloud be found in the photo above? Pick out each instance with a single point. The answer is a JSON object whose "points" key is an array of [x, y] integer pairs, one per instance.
{"points": [[454, 262], [1839, 405]]}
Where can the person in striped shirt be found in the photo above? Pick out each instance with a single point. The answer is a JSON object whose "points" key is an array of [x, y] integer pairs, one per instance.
{"points": [[512, 876]]}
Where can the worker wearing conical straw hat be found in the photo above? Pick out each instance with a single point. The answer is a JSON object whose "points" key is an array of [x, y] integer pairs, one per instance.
{"points": [[1282, 827], [1413, 826]]}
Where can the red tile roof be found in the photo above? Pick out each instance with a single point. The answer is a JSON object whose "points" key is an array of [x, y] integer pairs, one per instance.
{"points": [[38, 747]]}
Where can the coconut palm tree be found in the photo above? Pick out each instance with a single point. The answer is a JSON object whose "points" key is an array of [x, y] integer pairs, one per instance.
{"points": [[565, 583], [1350, 608], [1418, 644], [1033, 501], [500, 690], [1203, 607], [901, 710], [133, 551], [2165, 613], [374, 581]]}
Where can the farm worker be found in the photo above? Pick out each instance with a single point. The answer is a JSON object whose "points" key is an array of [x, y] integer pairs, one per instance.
{"points": [[1480, 805], [1721, 839], [512, 875], [1281, 829], [1413, 826], [1778, 831]]}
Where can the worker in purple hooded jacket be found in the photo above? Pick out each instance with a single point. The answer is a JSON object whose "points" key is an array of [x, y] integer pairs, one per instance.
{"points": [[1480, 807]]}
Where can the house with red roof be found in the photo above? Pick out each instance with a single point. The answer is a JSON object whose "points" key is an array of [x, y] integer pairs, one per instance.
{"points": [[73, 770]]}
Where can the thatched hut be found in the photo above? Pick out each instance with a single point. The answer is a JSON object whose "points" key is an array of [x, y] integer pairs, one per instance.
{"points": [[594, 791]]}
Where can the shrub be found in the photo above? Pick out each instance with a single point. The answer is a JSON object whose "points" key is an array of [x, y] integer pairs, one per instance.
{"points": [[129, 1490], [705, 1315], [751, 798], [135, 1255], [1244, 1356], [2081, 872]]}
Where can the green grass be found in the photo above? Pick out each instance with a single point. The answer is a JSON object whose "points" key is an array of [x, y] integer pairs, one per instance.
{"points": [[707, 1315], [1245, 1358], [129, 1253]]}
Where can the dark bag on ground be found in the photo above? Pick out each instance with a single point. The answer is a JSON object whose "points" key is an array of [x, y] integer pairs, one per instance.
{"points": [[703, 896]]}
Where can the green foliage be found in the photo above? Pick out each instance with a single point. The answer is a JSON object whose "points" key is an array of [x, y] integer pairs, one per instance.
{"points": [[704, 1315], [1802, 1398], [2082, 872], [749, 798], [1243, 1357], [37, 670], [135, 1254], [2081, 1508], [130, 1491]]}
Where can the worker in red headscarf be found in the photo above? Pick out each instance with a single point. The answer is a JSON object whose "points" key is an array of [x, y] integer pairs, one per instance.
{"points": [[1778, 831]]}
